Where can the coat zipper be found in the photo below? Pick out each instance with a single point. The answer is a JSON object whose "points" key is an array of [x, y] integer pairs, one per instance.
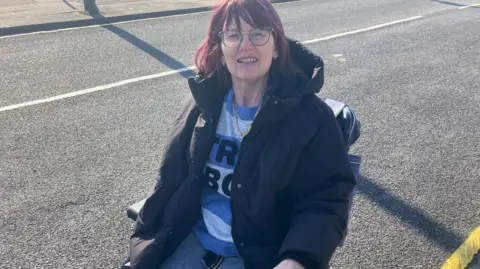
{"points": [[240, 154]]}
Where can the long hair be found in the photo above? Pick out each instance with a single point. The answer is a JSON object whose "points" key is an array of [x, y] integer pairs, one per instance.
{"points": [[257, 13]]}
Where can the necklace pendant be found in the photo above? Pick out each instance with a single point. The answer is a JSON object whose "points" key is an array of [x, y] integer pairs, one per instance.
{"points": [[241, 134]]}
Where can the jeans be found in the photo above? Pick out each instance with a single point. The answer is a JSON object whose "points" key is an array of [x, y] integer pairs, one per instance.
{"points": [[189, 255]]}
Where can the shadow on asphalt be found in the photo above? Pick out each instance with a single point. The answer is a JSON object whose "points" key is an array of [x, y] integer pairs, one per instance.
{"points": [[144, 46], [415, 218], [69, 5], [149, 49]]}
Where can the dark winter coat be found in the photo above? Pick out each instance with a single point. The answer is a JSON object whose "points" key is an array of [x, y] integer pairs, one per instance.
{"points": [[290, 187]]}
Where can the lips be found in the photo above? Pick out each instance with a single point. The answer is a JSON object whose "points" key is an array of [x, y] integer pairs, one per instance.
{"points": [[247, 60]]}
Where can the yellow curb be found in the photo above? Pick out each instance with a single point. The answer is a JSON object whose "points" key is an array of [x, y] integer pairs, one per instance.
{"points": [[464, 254]]}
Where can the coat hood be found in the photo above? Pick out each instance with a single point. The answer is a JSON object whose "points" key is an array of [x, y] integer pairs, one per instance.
{"points": [[310, 67]]}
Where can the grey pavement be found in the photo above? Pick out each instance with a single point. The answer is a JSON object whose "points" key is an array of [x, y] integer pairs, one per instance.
{"points": [[70, 168], [30, 12]]}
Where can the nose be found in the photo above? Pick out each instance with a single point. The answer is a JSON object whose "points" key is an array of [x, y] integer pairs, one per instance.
{"points": [[245, 44]]}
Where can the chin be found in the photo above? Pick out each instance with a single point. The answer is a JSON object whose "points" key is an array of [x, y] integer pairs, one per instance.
{"points": [[250, 76]]}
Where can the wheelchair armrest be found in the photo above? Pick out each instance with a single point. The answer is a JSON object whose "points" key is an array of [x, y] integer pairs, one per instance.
{"points": [[347, 120], [132, 211]]}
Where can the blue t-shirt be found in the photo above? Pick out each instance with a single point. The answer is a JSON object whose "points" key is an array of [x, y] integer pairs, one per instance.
{"points": [[214, 228]]}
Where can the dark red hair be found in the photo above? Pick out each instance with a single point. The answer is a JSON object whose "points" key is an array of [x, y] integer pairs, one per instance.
{"points": [[257, 13]]}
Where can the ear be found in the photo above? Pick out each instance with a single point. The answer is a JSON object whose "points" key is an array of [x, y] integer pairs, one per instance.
{"points": [[275, 54], [275, 51]]}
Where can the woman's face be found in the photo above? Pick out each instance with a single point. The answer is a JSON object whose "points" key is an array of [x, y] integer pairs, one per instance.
{"points": [[247, 52]]}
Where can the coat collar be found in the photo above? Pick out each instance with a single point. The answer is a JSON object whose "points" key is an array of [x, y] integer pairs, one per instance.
{"points": [[283, 93]]}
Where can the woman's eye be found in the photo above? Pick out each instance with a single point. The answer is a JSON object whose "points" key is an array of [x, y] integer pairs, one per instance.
{"points": [[233, 36]]}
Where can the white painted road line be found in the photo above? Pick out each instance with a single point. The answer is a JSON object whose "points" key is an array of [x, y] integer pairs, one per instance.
{"points": [[96, 89], [101, 25], [172, 72], [362, 30], [474, 5]]}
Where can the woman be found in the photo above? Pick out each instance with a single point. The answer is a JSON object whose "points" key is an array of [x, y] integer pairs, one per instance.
{"points": [[255, 174]]}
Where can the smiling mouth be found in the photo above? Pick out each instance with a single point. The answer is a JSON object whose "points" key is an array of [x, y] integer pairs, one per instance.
{"points": [[247, 60]]}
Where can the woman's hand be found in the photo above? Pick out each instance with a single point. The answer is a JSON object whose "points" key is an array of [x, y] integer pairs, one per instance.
{"points": [[289, 264]]}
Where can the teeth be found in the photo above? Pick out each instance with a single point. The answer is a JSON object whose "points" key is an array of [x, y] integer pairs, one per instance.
{"points": [[248, 60]]}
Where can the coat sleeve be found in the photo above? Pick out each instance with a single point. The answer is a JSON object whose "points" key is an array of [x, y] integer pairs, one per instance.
{"points": [[318, 198], [173, 164]]}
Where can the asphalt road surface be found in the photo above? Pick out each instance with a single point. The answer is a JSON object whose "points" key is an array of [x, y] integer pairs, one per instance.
{"points": [[69, 168]]}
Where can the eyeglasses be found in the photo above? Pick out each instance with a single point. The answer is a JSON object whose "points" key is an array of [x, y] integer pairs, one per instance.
{"points": [[258, 37]]}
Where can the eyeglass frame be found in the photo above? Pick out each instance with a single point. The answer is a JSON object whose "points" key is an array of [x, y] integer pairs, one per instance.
{"points": [[269, 30]]}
